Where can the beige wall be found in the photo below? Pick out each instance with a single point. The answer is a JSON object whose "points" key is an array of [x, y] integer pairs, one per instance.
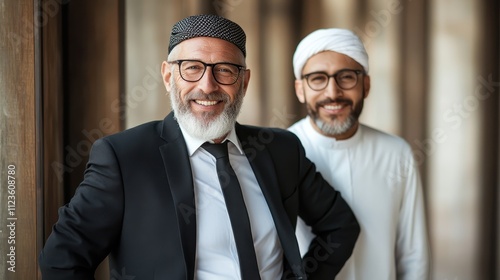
{"points": [[454, 174]]}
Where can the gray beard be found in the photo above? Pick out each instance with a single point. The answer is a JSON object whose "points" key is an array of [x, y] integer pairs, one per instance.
{"points": [[209, 127], [335, 127]]}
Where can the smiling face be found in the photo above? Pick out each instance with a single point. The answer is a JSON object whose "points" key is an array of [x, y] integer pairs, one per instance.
{"points": [[334, 111], [205, 109]]}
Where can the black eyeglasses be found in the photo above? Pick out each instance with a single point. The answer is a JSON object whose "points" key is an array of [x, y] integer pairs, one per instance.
{"points": [[225, 73], [345, 79]]}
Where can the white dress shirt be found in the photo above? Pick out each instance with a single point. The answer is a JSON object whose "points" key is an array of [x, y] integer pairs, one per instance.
{"points": [[216, 254], [377, 176]]}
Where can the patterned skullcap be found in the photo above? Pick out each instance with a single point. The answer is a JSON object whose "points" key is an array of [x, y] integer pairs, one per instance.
{"points": [[207, 26], [333, 39]]}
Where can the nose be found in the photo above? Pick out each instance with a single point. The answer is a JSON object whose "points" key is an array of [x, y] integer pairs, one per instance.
{"points": [[332, 90], [207, 83]]}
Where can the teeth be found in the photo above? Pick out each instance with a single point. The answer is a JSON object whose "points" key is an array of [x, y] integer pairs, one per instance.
{"points": [[333, 107], [206, 102]]}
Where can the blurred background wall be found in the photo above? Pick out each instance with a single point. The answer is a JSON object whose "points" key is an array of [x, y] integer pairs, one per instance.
{"points": [[72, 71], [435, 81]]}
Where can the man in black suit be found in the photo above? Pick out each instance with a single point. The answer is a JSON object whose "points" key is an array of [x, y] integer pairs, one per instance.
{"points": [[151, 198]]}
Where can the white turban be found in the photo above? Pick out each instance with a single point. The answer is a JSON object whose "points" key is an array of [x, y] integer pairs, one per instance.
{"points": [[334, 39]]}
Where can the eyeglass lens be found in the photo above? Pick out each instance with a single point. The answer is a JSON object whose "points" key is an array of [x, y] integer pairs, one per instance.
{"points": [[224, 73], [346, 79]]}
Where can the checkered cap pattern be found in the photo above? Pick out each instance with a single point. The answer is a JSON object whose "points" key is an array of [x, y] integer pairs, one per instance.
{"points": [[207, 26]]}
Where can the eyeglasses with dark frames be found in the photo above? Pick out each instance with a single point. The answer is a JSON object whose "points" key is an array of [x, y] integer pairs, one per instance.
{"points": [[346, 79], [225, 73]]}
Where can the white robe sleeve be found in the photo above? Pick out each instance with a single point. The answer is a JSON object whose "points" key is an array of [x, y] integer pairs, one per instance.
{"points": [[412, 251]]}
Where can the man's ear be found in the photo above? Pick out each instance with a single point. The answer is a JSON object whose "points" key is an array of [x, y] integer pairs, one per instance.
{"points": [[299, 91], [366, 83], [166, 73]]}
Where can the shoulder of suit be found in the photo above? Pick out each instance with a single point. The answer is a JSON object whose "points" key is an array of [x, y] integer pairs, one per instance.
{"points": [[265, 131], [273, 138], [138, 133]]}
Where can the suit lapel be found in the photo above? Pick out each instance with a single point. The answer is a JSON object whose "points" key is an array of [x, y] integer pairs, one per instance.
{"points": [[180, 181], [261, 162]]}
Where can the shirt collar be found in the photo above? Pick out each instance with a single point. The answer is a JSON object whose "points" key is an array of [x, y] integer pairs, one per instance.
{"points": [[193, 143]]}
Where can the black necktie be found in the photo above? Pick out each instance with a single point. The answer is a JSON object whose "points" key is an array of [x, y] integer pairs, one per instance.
{"points": [[237, 211]]}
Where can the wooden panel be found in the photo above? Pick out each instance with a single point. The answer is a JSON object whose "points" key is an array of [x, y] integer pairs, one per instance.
{"points": [[93, 65], [18, 185], [414, 57], [52, 122], [279, 37], [488, 99], [93, 85]]}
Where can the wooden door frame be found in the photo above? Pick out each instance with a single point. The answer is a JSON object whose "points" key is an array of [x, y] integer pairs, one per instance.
{"points": [[20, 194]]}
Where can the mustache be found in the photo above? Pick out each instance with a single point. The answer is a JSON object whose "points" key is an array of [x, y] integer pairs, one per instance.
{"points": [[211, 96], [336, 100]]}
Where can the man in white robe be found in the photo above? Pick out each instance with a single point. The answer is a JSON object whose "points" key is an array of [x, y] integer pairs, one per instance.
{"points": [[374, 171]]}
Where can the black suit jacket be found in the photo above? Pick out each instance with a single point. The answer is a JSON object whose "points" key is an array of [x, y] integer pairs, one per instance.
{"points": [[136, 204]]}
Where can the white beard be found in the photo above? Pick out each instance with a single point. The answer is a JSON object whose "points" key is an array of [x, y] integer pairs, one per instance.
{"points": [[202, 129]]}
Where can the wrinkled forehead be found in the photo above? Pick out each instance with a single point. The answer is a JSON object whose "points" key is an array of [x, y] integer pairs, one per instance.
{"points": [[208, 50]]}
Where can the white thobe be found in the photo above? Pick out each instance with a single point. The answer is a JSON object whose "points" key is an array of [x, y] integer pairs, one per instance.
{"points": [[377, 176]]}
